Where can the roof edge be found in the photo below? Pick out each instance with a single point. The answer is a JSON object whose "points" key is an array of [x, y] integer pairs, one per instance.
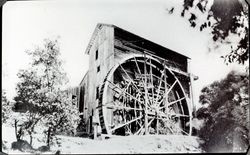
{"points": [[100, 25], [97, 28]]}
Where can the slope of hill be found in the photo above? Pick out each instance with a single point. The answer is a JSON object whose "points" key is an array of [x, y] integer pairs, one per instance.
{"points": [[119, 144]]}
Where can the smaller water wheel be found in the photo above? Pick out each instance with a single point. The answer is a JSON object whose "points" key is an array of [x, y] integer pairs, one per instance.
{"points": [[141, 96]]}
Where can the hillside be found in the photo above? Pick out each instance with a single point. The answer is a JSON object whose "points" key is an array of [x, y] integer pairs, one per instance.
{"points": [[132, 144]]}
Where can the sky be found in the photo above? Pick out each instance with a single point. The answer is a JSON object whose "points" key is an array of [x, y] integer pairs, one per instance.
{"points": [[27, 23]]}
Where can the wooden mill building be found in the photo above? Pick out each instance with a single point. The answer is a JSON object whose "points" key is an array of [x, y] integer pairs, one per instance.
{"points": [[134, 86]]}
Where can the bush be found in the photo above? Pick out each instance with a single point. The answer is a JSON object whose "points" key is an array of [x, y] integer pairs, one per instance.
{"points": [[226, 126]]}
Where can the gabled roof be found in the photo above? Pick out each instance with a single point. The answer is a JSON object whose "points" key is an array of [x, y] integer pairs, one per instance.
{"points": [[97, 28], [135, 37]]}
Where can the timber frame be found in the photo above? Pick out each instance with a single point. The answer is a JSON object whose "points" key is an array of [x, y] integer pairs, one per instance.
{"points": [[134, 86]]}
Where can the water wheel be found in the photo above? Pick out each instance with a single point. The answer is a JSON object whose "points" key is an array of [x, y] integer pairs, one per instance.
{"points": [[142, 96]]}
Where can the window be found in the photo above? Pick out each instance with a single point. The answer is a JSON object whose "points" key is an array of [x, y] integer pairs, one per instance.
{"points": [[98, 68], [97, 92], [81, 102], [96, 54], [74, 99]]}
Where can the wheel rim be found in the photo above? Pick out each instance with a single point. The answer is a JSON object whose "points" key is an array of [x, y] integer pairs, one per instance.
{"points": [[142, 96]]}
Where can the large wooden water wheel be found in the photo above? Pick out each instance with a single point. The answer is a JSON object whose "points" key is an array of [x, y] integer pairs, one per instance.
{"points": [[142, 96]]}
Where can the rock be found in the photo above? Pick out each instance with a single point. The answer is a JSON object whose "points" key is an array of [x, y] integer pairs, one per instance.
{"points": [[43, 148], [159, 146], [57, 152], [21, 145]]}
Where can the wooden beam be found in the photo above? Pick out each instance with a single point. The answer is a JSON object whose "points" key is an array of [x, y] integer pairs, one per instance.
{"points": [[152, 80], [172, 86], [159, 86], [178, 96], [122, 107], [130, 78], [146, 97], [126, 93], [122, 125], [173, 102]]}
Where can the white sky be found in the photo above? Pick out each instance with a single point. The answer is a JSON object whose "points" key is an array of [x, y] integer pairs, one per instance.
{"points": [[27, 23]]}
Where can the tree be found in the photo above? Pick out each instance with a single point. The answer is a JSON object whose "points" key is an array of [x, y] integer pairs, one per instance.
{"points": [[26, 91], [226, 126], [41, 90], [223, 18], [6, 107], [26, 102], [62, 119]]}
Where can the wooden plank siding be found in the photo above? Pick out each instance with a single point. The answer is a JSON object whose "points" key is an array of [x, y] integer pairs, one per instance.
{"points": [[108, 46], [103, 43]]}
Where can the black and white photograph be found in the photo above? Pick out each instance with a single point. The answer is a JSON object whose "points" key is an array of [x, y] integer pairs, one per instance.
{"points": [[125, 77]]}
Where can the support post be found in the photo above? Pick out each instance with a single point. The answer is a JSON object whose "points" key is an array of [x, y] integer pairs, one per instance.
{"points": [[95, 130], [192, 107], [146, 96], [152, 81], [166, 90]]}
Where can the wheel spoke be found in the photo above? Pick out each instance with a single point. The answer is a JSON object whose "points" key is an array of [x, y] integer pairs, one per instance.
{"points": [[183, 131], [122, 125], [126, 93], [121, 107], [152, 81], [159, 86], [165, 97], [130, 78], [142, 127], [173, 102], [150, 122], [138, 68], [178, 115], [146, 99], [178, 96], [168, 91], [172, 86], [137, 133], [125, 89], [136, 63]]}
